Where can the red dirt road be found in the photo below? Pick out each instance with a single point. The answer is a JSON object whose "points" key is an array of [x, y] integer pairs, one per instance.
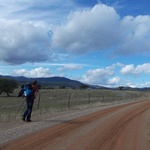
{"points": [[123, 127]]}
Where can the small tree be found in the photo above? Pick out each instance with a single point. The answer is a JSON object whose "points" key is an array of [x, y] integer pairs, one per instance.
{"points": [[7, 85], [121, 87], [84, 86]]}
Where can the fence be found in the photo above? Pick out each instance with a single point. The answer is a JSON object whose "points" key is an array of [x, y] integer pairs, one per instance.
{"points": [[72, 98], [48, 101]]}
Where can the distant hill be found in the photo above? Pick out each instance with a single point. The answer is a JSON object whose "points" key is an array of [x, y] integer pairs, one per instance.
{"points": [[66, 83], [50, 82]]}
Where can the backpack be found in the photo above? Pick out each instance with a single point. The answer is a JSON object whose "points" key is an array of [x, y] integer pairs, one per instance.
{"points": [[26, 90]]}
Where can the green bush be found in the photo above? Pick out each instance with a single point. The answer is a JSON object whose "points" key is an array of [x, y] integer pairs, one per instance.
{"points": [[7, 85]]}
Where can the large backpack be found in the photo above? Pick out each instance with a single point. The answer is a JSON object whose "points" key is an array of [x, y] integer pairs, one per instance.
{"points": [[26, 90]]}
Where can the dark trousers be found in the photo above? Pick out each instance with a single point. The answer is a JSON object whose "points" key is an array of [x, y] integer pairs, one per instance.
{"points": [[28, 111]]}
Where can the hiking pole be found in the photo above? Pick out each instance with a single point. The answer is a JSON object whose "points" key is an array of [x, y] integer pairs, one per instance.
{"points": [[39, 101]]}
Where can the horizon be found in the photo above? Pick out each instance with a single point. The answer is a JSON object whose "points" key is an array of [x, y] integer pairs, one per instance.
{"points": [[75, 81]]}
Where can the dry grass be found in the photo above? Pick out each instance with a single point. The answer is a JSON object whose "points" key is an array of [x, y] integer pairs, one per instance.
{"points": [[51, 101]]}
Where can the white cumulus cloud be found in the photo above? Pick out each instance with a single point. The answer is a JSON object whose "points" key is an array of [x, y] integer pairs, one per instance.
{"points": [[98, 76], [88, 29], [34, 73], [114, 81], [101, 28], [139, 69], [23, 42]]}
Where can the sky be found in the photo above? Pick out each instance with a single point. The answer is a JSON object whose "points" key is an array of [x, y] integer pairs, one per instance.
{"points": [[99, 42]]}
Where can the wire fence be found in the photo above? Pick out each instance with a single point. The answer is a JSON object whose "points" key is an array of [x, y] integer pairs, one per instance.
{"points": [[73, 98], [48, 101]]}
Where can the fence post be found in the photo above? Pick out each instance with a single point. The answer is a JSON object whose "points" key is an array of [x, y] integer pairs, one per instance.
{"points": [[39, 101], [113, 98], [102, 98], [69, 100], [89, 99]]}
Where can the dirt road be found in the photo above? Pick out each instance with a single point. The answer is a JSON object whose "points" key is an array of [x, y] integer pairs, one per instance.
{"points": [[123, 127]]}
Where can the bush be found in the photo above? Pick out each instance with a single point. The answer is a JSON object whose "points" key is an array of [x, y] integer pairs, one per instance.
{"points": [[7, 86]]}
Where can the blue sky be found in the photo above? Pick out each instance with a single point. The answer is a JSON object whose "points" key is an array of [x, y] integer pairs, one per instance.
{"points": [[101, 42]]}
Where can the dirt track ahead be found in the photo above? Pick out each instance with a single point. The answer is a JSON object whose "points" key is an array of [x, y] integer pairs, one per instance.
{"points": [[123, 127]]}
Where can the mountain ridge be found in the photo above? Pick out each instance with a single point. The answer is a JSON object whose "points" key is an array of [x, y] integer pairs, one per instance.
{"points": [[64, 82], [48, 81]]}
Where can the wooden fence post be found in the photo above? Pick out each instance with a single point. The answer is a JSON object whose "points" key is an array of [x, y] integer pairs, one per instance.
{"points": [[113, 98], [38, 105], [102, 98], [69, 100], [89, 101]]}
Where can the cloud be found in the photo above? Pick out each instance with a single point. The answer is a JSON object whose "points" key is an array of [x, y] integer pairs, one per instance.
{"points": [[146, 84], [114, 81], [34, 73], [127, 69], [70, 67], [136, 38], [58, 56], [139, 69], [98, 76], [51, 11], [88, 30], [22, 42], [113, 75], [101, 28], [107, 76]]}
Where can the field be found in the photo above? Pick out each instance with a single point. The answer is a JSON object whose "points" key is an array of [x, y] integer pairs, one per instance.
{"points": [[51, 101]]}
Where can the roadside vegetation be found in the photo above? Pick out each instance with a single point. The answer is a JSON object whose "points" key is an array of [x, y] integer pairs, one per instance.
{"points": [[56, 100]]}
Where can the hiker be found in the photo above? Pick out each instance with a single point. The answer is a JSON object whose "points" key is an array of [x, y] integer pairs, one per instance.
{"points": [[30, 91]]}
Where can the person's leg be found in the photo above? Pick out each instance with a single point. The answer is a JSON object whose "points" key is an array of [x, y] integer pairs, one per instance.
{"points": [[30, 111], [26, 111]]}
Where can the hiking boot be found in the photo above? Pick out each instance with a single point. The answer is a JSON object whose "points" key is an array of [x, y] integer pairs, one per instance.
{"points": [[23, 119], [29, 120]]}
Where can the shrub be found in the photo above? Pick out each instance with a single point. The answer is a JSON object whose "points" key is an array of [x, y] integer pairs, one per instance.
{"points": [[7, 85]]}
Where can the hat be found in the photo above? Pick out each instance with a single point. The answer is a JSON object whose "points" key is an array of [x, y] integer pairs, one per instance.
{"points": [[34, 82]]}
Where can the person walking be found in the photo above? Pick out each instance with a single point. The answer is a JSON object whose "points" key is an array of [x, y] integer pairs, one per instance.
{"points": [[31, 91]]}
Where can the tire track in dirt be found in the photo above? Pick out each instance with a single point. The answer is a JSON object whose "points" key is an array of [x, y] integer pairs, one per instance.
{"points": [[115, 129], [109, 129]]}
